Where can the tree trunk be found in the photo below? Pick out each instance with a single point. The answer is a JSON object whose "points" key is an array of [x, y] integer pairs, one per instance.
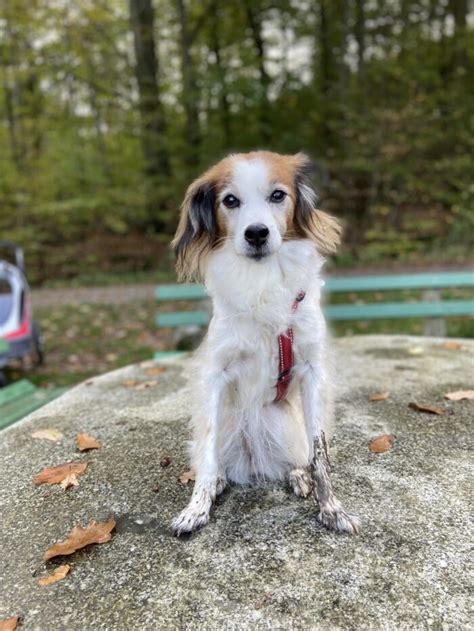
{"points": [[223, 96], [255, 24], [359, 32], [190, 91], [157, 167]]}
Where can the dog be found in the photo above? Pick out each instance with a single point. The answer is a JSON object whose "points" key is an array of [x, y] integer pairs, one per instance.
{"points": [[250, 229]]}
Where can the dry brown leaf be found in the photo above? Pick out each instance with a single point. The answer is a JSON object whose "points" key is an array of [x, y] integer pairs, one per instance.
{"points": [[452, 346], [185, 477], [165, 461], [9, 624], [381, 443], [84, 442], [61, 474], [70, 480], [94, 532], [422, 407], [155, 370], [58, 575], [49, 434], [379, 396], [416, 350], [459, 395], [146, 384], [129, 383]]}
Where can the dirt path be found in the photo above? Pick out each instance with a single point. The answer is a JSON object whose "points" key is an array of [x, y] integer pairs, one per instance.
{"points": [[78, 295]]}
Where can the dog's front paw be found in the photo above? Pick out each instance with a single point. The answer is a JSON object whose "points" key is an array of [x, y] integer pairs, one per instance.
{"points": [[189, 520], [340, 521]]}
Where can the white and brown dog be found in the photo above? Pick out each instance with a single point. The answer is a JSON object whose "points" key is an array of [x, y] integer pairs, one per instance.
{"points": [[263, 403]]}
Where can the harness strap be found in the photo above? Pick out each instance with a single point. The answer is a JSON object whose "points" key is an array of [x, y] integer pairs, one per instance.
{"points": [[285, 348]]}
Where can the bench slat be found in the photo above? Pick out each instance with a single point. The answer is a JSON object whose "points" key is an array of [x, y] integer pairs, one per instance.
{"points": [[182, 318], [400, 281], [187, 291], [384, 310], [428, 280], [379, 311], [17, 408], [16, 390]]}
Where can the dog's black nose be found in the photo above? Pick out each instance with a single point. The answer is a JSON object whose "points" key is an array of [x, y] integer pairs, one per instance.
{"points": [[256, 234]]}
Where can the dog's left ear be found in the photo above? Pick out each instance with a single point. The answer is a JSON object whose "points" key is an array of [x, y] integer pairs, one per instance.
{"points": [[310, 222], [197, 231]]}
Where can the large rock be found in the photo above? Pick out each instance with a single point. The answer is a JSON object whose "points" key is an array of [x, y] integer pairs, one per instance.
{"points": [[263, 561]]}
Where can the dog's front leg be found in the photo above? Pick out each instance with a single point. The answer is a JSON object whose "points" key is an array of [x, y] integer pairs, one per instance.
{"points": [[197, 512], [314, 398]]}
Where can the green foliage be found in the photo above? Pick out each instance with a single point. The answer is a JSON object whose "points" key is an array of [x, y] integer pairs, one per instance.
{"points": [[379, 94]]}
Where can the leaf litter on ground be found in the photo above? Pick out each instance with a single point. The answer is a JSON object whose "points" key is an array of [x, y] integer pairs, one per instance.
{"points": [[459, 395], [379, 396], [424, 407], [9, 624], [63, 474], [48, 434], [85, 442], [59, 573], [94, 532], [381, 443]]}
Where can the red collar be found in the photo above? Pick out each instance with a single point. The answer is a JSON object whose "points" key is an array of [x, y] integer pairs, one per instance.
{"points": [[285, 347]]}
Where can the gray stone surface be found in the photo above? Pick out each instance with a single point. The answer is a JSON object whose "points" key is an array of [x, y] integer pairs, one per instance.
{"points": [[263, 562]]}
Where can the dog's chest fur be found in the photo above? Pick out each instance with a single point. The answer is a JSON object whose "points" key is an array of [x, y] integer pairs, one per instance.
{"points": [[253, 306]]}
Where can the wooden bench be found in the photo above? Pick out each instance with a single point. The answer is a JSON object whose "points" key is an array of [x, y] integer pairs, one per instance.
{"points": [[20, 398], [431, 307]]}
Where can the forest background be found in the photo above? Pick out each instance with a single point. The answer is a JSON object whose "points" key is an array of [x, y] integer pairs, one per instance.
{"points": [[108, 109]]}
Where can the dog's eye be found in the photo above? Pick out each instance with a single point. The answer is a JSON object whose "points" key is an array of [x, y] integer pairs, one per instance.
{"points": [[277, 196], [230, 201]]}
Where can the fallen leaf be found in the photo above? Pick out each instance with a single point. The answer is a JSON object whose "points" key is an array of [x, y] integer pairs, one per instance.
{"points": [[155, 370], [146, 384], [84, 442], [61, 474], [459, 395], [49, 434], [421, 407], [185, 477], [58, 575], [416, 350], [71, 480], [452, 346], [381, 443], [379, 396], [165, 461], [9, 624], [94, 532], [129, 383]]}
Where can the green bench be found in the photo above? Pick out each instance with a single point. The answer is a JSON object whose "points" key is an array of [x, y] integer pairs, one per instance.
{"points": [[22, 397], [431, 307]]}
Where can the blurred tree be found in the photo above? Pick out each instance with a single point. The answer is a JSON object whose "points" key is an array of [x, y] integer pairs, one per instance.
{"points": [[108, 110], [157, 167]]}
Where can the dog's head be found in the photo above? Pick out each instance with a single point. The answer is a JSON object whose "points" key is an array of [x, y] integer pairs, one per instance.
{"points": [[253, 202]]}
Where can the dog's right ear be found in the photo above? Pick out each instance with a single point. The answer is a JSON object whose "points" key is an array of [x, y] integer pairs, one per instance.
{"points": [[197, 231]]}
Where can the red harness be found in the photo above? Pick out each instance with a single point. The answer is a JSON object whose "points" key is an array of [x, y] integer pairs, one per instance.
{"points": [[285, 346]]}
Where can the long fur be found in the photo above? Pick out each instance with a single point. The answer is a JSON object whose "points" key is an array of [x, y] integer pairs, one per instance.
{"points": [[240, 433]]}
